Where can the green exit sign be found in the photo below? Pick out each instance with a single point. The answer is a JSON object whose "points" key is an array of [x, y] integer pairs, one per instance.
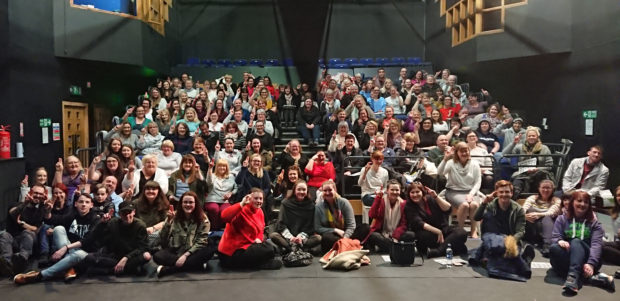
{"points": [[589, 114], [45, 122], [75, 90]]}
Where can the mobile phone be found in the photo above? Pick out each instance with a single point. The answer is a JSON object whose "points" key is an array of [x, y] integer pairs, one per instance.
{"points": [[171, 208]]}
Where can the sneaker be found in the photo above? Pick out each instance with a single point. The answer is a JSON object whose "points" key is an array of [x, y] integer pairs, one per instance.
{"points": [[432, 253], [545, 250], [6, 267], [70, 275], [30, 277], [603, 281], [617, 274], [571, 285]]}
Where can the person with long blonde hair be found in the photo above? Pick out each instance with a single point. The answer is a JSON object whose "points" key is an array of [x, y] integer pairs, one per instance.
{"points": [[222, 187]]}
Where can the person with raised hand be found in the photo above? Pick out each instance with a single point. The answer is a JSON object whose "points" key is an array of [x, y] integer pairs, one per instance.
{"points": [[184, 238]]}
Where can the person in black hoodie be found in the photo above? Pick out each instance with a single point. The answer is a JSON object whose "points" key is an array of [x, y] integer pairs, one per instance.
{"points": [[296, 221], [118, 246], [69, 230], [23, 223]]}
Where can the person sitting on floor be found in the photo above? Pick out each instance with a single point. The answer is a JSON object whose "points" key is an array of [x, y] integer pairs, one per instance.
{"points": [[296, 222], [23, 223], [388, 219], [503, 227], [577, 245], [427, 215], [69, 231], [118, 247], [243, 244], [334, 219], [184, 238], [540, 212]]}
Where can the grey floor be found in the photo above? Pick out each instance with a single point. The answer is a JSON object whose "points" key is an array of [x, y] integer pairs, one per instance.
{"points": [[379, 281]]}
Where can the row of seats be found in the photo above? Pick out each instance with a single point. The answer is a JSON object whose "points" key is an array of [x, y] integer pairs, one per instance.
{"points": [[226, 63], [331, 63], [369, 62]]}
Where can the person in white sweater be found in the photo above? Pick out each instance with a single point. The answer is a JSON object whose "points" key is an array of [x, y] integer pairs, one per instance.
{"points": [[167, 159], [373, 178], [136, 178], [463, 186]]}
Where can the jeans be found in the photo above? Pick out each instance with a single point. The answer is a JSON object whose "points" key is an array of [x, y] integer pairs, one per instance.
{"points": [[570, 261], [23, 242], [368, 199], [71, 259], [44, 240], [540, 230], [308, 136]]}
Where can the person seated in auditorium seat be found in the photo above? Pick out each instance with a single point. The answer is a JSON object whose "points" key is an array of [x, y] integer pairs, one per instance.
{"points": [[137, 120], [189, 177], [458, 96], [334, 121], [389, 116], [334, 218], [477, 102], [442, 77], [380, 78], [355, 108], [124, 134], [388, 219], [541, 211], [137, 178], [428, 137], [449, 110], [440, 126], [103, 206], [486, 137], [243, 244], [577, 244], [233, 156], [231, 131], [150, 142], [40, 177], [431, 86], [222, 189], [376, 103], [385, 90], [426, 215], [308, 118], [463, 186], [457, 131], [69, 230], [23, 223], [338, 138], [293, 155], [168, 160], [480, 155], [72, 176], [379, 143], [373, 178], [190, 118], [509, 131], [184, 238], [236, 117], [209, 137], [111, 167], [492, 115], [393, 135], [503, 227], [318, 170], [328, 106], [266, 139], [255, 147], [288, 104], [587, 173], [418, 78], [436, 154], [348, 96], [285, 182], [181, 138], [412, 123], [295, 224], [529, 180]]}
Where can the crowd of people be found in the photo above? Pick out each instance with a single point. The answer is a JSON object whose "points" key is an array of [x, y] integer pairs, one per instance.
{"points": [[191, 172]]}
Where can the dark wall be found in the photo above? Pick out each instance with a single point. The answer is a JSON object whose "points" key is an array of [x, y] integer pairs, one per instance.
{"points": [[550, 80], [90, 35], [39, 81], [4, 40], [376, 29]]}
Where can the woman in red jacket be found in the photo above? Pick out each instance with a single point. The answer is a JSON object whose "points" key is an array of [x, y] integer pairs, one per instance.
{"points": [[388, 219], [318, 171], [243, 245]]}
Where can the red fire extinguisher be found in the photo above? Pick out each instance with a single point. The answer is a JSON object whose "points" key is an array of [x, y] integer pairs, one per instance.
{"points": [[5, 142]]}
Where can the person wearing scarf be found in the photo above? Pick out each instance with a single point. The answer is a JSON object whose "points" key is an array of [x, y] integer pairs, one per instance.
{"points": [[243, 245], [427, 215], [388, 219], [296, 221], [334, 218], [532, 146], [577, 242]]}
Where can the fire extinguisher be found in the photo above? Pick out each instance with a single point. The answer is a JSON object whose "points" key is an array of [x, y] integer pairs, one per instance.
{"points": [[5, 142]]}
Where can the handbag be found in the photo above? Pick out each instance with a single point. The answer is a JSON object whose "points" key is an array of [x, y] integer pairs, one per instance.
{"points": [[403, 253], [297, 257]]}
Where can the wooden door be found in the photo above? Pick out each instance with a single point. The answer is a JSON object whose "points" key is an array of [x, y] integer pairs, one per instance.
{"points": [[75, 129]]}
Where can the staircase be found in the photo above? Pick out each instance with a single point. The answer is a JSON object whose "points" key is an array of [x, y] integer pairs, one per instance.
{"points": [[289, 133]]}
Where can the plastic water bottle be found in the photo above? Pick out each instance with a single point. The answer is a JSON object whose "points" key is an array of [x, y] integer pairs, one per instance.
{"points": [[449, 256]]}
